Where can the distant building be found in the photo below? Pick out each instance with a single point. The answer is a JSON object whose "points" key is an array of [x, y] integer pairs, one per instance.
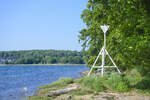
{"points": [[3, 60]]}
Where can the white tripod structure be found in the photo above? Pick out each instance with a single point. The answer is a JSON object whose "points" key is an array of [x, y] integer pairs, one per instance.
{"points": [[103, 53]]}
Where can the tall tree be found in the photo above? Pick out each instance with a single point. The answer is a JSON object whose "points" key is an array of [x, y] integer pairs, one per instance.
{"points": [[128, 39]]}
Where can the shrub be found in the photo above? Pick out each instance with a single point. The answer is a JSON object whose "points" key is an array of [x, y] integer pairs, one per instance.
{"points": [[144, 84], [133, 77], [87, 81], [92, 82], [114, 82], [98, 85], [117, 83]]}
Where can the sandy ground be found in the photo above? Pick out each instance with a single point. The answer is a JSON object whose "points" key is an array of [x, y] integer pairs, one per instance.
{"points": [[107, 95]]}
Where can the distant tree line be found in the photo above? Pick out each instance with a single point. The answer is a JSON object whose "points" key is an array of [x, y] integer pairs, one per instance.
{"points": [[41, 57]]}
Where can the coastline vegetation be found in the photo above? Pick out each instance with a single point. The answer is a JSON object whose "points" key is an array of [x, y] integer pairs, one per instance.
{"points": [[94, 85], [41, 57], [39, 64], [128, 37]]}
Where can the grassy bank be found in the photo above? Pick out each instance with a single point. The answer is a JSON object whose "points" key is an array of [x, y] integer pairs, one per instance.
{"points": [[93, 86]]}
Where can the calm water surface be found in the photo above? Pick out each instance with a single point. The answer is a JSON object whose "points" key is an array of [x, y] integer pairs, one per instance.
{"points": [[13, 79]]}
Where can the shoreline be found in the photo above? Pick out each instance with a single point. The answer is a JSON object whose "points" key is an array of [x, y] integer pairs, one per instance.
{"points": [[39, 64], [37, 92], [83, 73], [45, 92]]}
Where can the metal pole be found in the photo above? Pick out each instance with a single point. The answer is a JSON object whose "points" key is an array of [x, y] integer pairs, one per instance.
{"points": [[104, 46], [103, 55], [102, 61], [104, 41]]}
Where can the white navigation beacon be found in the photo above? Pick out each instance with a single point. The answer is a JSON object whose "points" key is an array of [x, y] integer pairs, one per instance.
{"points": [[103, 52], [104, 28]]}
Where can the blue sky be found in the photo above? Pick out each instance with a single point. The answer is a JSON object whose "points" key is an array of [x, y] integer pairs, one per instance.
{"points": [[40, 24]]}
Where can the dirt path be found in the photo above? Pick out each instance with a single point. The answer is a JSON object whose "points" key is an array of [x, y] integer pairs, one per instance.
{"points": [[121, 96]]}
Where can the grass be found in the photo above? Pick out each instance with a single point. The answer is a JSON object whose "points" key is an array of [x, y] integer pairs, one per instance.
{"points": [[133, 76], [81, 92], [53, 86], [73, 99], [60, 83], [117, 83], [145, 92], [114, 82], [92, 85], [141, 84], [41, 98]]}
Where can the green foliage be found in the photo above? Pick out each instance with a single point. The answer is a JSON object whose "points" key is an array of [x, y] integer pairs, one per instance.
{"points": [[145, 92], [117, 83], [41, 57], [133, 77], [82, 92], [92, 82], [73, 99], [128, 38], [62, 82], [40, 98], [144, 84], [114, 82]]}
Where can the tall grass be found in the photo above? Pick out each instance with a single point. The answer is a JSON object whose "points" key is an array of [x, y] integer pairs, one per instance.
{"points": [[92, 82], [117, 83], [97, 83], [39, 98], [60, 83]]}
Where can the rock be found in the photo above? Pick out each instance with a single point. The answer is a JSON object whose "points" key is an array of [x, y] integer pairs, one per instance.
{"points": [[69, 97]]}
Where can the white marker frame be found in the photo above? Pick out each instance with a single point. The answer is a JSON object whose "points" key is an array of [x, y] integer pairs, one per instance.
{"points": [[103, 52]]}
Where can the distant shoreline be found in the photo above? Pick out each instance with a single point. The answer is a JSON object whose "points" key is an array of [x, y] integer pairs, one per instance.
{"points": [[37, 64]]}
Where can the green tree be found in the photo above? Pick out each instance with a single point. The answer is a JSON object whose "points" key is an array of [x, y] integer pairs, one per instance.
{"points": [[128, 38], [40, 56], [6, 62]]}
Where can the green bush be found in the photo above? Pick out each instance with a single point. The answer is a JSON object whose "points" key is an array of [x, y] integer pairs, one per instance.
{"points": [[144, 84], [98, 85], [92, 82], [117, 83], [114, 82], [87, 81], [133, 77]]}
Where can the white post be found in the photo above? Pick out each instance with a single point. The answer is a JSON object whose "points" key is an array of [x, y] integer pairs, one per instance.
{"points": [[103, 55], [104, 28], [103, 63]]}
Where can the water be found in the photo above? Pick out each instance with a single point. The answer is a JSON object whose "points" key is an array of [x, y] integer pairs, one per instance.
{"points": [[16, 82]]}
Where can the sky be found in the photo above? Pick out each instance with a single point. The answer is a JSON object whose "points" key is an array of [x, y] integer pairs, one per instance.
{"points": [[40, 24]]}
